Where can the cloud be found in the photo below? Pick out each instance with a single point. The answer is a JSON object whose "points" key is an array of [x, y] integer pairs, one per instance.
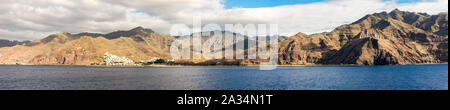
{"points": [[428, 6], [24, 18], [325, 16], [35, 19]]}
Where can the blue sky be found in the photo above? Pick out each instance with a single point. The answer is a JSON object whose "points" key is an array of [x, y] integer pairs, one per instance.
{"points": [[271, 3]]}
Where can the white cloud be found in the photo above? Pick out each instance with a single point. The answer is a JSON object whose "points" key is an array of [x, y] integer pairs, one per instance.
{"points": [[428, 6], [27, 19], [325, 16], [34, 19]]}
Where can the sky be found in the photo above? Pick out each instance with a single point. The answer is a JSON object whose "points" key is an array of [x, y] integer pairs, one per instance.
{"points": [[36, 19], [264, 3], [271, 3]]}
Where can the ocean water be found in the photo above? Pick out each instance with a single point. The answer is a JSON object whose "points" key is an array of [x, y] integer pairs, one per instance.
{"points": [[408, 77]]}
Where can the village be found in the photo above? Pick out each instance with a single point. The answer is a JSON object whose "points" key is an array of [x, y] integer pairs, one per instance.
{"points": [[113, 60]]}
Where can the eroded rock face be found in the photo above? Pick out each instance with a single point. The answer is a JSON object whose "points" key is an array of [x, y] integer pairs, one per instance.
{"points": [[379, 39], [304, 49], [371, 51]]}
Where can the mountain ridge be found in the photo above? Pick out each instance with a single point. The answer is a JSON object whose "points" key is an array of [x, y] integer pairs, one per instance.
{"points": [[376, 39], [8, 43], [89, 48]]}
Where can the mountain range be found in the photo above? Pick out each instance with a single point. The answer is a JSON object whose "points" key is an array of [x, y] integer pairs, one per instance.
{"points": [[8, 43], [397, 37], [383, 38], [89, 48]]}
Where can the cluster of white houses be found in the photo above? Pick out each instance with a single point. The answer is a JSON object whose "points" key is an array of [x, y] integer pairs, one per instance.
{"points": [[113, 60]]}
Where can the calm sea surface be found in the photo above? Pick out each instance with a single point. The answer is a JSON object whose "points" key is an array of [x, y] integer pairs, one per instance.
{"points": [[411, 77]]}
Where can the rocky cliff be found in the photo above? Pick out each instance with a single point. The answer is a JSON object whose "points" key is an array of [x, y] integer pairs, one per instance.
{"points": [[383, 38]]}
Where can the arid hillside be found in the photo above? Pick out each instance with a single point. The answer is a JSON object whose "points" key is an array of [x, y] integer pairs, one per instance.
{"points": [[89, 48], [378, 39]]}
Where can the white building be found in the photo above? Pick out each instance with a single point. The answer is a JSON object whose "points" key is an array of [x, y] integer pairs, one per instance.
{"points": [[110, 59]]}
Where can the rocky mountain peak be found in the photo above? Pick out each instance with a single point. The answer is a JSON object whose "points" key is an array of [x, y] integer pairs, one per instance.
{"points": [[300, 34], [140, 29], [395, 11], [63, 37], [59, 37], [397, 37]]}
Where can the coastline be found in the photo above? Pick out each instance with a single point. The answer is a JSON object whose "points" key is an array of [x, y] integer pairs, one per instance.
{"points": [[161, 65]]}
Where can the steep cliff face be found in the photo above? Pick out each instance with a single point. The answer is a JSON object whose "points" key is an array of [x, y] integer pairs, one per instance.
{"points": [[304, 49], [372, 51], [81, 49], [378, 39]]}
